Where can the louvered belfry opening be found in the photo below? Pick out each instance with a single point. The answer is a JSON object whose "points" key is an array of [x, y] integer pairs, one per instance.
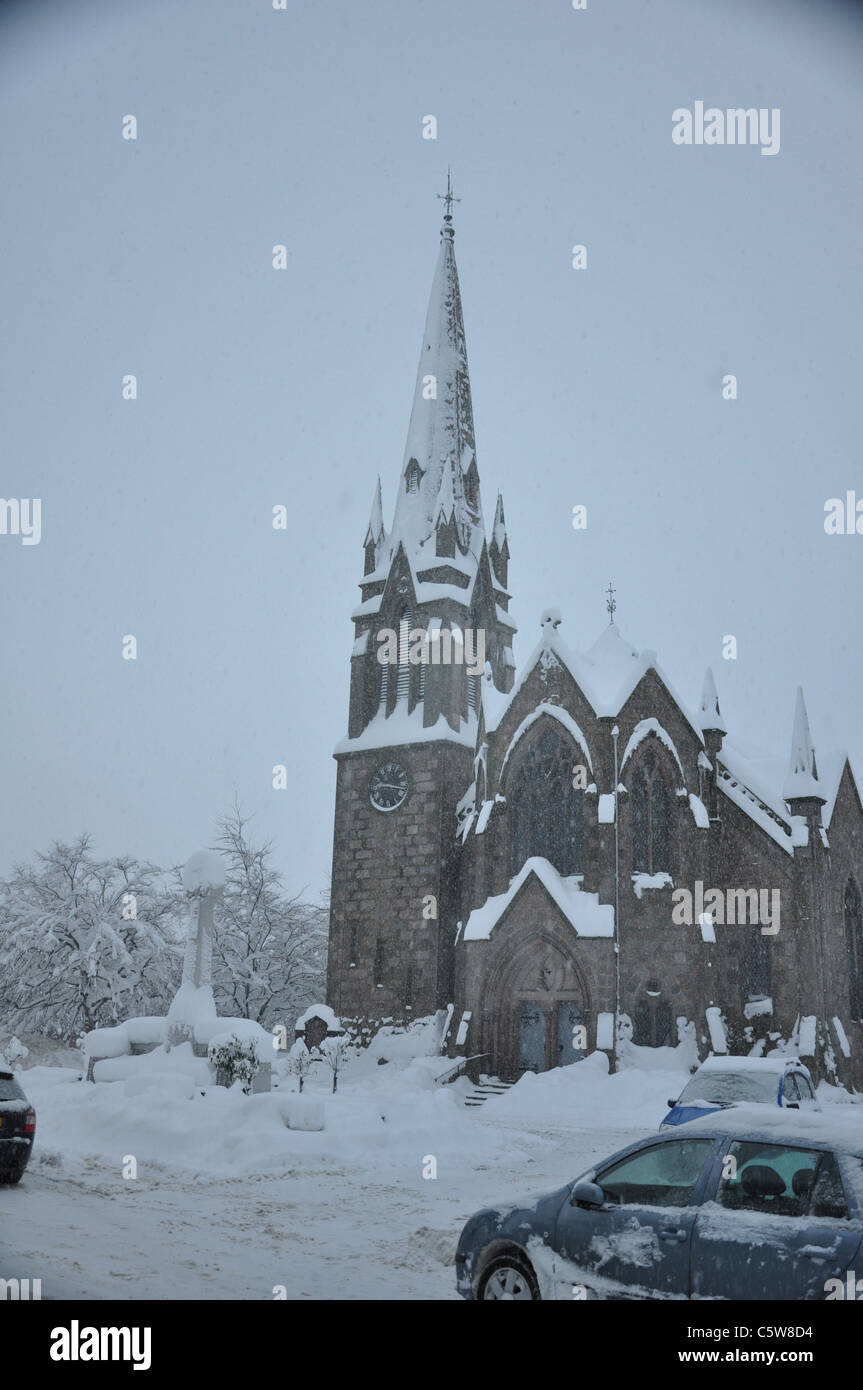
{"points": [[403, 679]]}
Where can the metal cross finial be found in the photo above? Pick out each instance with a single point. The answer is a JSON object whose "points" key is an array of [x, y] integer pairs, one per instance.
{"points": [[449, 197], [611, 602]]}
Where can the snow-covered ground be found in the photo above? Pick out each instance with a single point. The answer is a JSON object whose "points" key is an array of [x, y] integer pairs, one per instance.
{"points": [[229, 1203]]}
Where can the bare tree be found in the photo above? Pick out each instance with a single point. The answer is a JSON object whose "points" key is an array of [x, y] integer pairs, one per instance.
{"points": [[269, 949]]}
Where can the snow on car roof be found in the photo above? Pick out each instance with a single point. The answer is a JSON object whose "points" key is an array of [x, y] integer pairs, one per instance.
{"points": [[769, 1064], [840, 1126]]}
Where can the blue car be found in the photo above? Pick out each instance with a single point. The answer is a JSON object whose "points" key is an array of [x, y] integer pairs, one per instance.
{"points": [[749, 1203], [723, 1081]]}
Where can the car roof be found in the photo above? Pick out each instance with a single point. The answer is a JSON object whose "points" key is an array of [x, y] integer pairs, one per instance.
{"points": [[779, 1065], [841, 1131]]}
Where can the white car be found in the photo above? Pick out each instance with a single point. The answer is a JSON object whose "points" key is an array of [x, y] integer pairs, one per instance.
{"points": [[724, 1081]]}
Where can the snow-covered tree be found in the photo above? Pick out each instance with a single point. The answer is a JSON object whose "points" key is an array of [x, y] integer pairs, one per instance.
{"points": [[269, 949], [84, 942], [335, 1052]]}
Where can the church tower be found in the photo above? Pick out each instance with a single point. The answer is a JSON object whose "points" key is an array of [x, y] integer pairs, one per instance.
{"points": [[431, 625]]}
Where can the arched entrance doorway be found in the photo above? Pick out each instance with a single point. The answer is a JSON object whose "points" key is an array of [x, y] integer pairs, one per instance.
{"points": [[538, 1009]]}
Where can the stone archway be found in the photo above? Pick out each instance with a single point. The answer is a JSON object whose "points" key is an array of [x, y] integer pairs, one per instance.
{"points": [[535, 1001]]}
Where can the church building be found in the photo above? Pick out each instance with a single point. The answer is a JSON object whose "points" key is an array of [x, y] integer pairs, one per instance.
{"points": [[566, 857]]}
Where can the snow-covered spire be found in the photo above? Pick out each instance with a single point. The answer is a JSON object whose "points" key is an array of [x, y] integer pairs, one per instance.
{"points": [[802, 779], [375, 532], [445, 509], [709, 715], [498, 531], [376, 519], [441, 424], [498, 551]]}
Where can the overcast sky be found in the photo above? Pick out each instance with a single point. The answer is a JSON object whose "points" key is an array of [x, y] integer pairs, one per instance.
{"points": [[259, 387]]}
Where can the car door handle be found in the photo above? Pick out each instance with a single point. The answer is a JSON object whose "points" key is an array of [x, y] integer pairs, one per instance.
{"points": [[819, 1252], [672, 1233]]}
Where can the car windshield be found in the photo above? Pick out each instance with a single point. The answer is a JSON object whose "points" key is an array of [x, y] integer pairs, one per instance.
{"points": [[723, 1087], [10, 1090]]}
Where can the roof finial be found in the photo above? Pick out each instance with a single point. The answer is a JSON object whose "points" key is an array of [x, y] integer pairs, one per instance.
{"points": [[448, 198], [611, 602]]}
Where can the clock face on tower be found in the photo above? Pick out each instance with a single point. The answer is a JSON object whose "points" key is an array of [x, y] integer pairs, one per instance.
{"points": [[389, 787]]}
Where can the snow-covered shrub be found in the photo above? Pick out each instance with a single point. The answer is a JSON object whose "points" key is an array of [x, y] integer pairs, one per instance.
{"points": [[299, 1060], [12, 1053], [235, 1058]]}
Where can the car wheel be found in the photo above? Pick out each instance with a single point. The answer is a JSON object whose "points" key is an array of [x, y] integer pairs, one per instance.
{"points": [[508, 1278], [9, 1179]]}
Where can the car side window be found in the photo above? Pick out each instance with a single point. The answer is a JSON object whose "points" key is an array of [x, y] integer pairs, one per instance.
{"points": [[661, 1176], [828, 1194], [778, 1179], [804, 1087], [789, 1087]]}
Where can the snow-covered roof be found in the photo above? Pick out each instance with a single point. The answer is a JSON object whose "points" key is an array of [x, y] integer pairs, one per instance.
{"points": [[607, 673], [584, 912], [324, 1013], [764, 778]]}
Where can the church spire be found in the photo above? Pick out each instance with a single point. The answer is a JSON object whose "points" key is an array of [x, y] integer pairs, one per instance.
{"points": [[376, 518], [441, 430], [802, 779], [498, 551], [375, 531], [709, 715]]}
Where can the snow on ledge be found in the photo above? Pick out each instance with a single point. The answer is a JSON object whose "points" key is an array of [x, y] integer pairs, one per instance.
{"points": [[402, 729], [699, 812], [753, 1007], [642, 881], [584, 912]]}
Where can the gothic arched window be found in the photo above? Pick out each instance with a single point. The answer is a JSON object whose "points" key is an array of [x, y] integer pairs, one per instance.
{"points": [[854, 947], [652, 1019], [758, 972], [547, 812], [649, 801]]}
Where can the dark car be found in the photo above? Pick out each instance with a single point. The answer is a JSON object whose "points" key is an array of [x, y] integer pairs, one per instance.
{"points": [[748, 1203], [17, 1129]]}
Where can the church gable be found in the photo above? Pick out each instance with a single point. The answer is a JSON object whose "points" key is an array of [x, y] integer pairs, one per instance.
{"points": [[536, 890], [652, 711]]}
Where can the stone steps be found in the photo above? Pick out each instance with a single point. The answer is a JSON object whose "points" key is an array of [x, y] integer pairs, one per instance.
{"points": [[486, 1090]]}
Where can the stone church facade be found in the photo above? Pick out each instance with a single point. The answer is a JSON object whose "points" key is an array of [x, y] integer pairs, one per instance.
{"points": [[565, 858]]}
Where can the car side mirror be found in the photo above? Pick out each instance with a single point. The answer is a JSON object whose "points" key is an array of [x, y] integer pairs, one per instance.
{"points": [[671, 1103], [587, 1194]]}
